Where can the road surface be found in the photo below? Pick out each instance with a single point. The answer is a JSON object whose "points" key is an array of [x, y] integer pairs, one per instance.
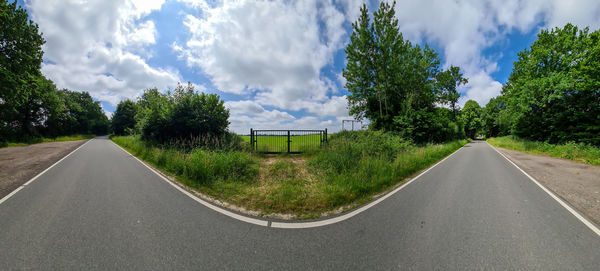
{"points": [[100, 209]]}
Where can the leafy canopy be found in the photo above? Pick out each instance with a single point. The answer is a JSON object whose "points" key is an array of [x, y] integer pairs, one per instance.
{"points": [[395, 84], [553, 92]]}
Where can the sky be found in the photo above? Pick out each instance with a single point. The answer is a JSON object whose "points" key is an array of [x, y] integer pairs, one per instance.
{"points": [[276, 64]]}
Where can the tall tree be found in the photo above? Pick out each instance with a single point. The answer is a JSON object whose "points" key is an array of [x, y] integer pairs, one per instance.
{"points": [[123, 119], [495, 117], [393, 82], [553, 91], [20, 60], [448, 82], [359, 73], [471, 115]]}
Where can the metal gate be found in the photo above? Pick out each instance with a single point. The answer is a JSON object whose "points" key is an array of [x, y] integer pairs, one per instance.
{"points": [[290, 141]]}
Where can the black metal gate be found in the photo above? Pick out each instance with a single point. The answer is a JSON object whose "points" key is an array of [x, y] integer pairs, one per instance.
{"points": [[290, 141]]}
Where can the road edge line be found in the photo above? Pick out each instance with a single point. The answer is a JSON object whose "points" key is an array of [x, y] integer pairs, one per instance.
{"points": [[567, 206], [223, 211], [284, 225], [5, 198]]}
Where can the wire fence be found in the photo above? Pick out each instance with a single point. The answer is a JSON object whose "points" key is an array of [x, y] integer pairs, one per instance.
{"points": [[290, 141]]}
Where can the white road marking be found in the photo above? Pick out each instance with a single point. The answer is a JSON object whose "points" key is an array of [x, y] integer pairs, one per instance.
{"points": [[40, 174], [286, 225], [554, 196], [205, 203]]}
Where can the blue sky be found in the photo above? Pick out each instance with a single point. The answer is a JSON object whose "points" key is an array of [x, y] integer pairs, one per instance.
{"points": [[277, 64]]}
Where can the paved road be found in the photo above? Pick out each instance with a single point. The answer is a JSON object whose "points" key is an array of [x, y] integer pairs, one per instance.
{"points": [[100, 209]]}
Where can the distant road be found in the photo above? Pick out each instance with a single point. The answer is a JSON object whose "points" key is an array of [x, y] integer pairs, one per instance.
{"points": [[100, 209]]}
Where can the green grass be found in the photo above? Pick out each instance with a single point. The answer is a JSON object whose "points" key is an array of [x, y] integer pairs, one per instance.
{"points": [[574, 151], [196, 167], [358, 165], [299, 143], [353, 168], [44, 140]]}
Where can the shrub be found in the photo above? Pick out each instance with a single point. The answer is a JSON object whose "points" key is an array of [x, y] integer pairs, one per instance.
{"points": [[182, 115]]}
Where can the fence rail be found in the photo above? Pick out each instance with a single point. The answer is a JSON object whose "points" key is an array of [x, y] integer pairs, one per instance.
{"points": [[290, 141]]}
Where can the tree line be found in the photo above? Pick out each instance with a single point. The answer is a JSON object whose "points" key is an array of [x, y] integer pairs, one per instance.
{"points": [[30, 105], [553, 92]]}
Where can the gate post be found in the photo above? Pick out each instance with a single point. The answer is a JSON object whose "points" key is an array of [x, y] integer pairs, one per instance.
{"points": [[252, 138], [288, 141], [326, 136]]}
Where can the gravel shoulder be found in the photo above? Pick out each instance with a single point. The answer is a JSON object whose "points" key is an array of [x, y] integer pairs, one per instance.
{"points": [[577, 183], [20, 164]]}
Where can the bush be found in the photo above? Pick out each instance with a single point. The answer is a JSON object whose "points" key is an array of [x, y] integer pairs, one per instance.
{"points": [[182, 115]]}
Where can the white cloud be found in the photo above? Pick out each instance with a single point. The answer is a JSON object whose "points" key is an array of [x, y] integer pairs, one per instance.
{"points": [[274, 49], [464, 28], [249, 114], [100, 46]]}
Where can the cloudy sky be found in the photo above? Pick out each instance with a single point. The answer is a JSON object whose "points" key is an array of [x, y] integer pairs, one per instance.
{"points": [[277, 64]]}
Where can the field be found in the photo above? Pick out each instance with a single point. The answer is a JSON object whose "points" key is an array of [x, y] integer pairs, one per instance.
{"points": [[278, 143], [350, 170], [573, 151]]}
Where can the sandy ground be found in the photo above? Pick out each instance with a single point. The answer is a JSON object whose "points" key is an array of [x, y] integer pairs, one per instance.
{"points": [[577, 183], [19, 164]]}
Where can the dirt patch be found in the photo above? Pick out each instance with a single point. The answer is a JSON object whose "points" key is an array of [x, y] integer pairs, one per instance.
{"points": [[19, 164], [577, 183]]}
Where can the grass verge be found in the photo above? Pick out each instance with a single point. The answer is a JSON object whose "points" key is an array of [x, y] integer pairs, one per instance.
{"points": [[45, 139], [574, 151], [355, 167]]}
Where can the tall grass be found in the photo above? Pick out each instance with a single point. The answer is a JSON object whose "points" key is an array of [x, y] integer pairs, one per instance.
{"points": [[36, 140], [353, 168], [574, 151], [196, 167], [357, 165]]}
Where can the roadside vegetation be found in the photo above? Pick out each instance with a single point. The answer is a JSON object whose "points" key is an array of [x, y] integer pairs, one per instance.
{"points": [[44, 140], [32, 109], [574, 151], [355, 167]]}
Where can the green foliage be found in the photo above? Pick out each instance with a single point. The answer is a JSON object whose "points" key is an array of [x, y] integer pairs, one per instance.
{"points": [[394, 83], [30, 105], [471, 116], [181, 115], [76, 112], [362, 163], [448, 81], [553, 91], [20, 61], [580, 152], [123, 119], [495, 117], [198, 166]]}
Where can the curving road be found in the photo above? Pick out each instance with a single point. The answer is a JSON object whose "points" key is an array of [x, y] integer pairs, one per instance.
{"points": [[100, 209]]}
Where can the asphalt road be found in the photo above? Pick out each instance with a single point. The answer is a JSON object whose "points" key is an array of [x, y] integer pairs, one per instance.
{"points": [[100, 209]]}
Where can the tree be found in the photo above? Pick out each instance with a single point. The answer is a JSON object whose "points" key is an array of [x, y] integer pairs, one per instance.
{"points": [[123, 119], [448, 82], [553, 92], [20, 61], [394, 83], [181, 115], [495, 117], [471, 116]]}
